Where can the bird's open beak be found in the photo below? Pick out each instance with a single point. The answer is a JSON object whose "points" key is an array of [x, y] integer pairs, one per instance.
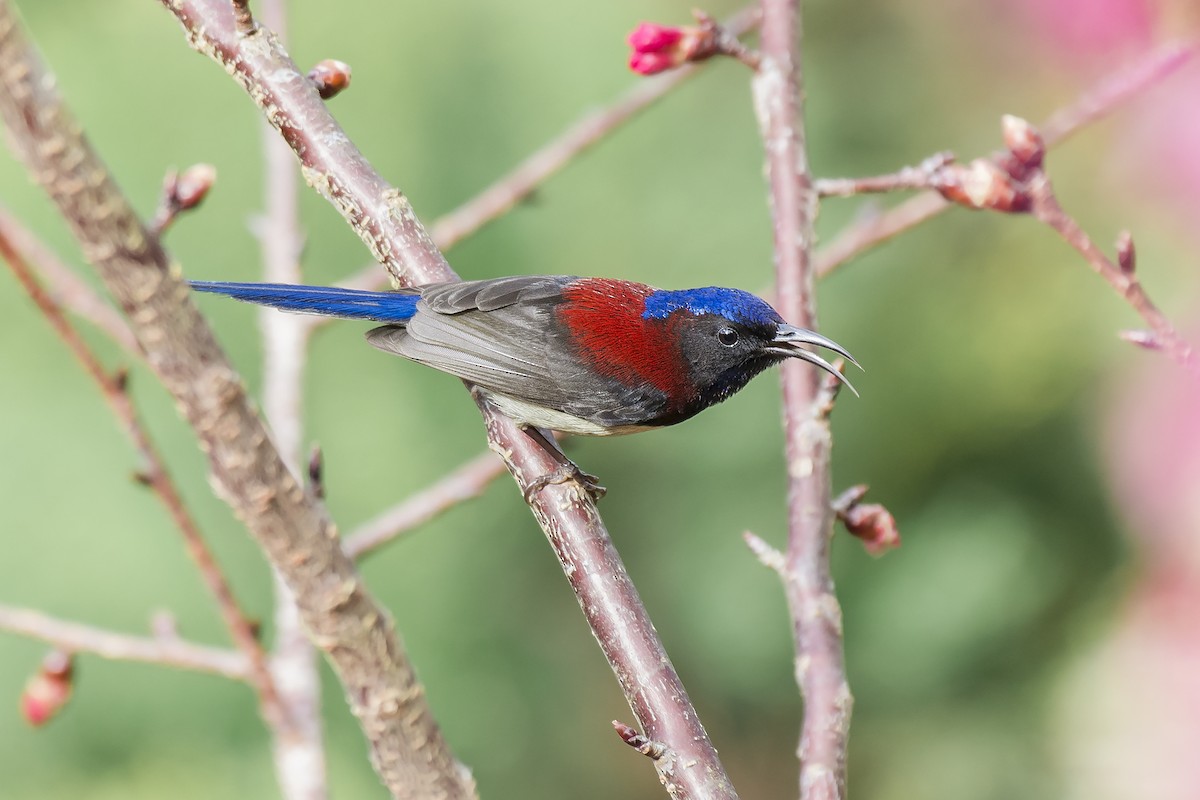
{"points": [[788, 340]]}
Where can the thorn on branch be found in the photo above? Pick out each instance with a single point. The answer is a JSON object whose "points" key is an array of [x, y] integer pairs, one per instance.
{"points": [[120, 379], [1126, 253], [1146, 340], [316, 473], [658, 48], [182, 192], [870, 522], [47, 692], [164, 627], [767, 555], [831, 385], [647, 747], [331, 77]]}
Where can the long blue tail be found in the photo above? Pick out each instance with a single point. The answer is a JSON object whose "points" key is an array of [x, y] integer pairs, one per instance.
{"points": [[394, 307]]}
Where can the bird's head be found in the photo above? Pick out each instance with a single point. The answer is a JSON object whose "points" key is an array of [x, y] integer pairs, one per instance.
{"points": [[727, 336]]}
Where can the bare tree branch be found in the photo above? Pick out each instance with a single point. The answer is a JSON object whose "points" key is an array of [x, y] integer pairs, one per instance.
{"points": [[808, 584], [385, 221], [297, 536], [510, 189], [161, 650], [1098, 102], [66, 288], [468, 481], [299, 756], [153, 473]]}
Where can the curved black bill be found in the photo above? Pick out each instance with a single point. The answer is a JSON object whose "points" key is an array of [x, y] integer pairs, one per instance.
{"points": [[788, 340]]}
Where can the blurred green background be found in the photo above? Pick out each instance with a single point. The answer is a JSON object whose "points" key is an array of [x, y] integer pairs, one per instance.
{"points": [[990, 354]]}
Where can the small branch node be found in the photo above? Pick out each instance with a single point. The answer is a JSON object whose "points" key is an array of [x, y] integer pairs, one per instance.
{"points": [[330, 77], [767, 555], [981, 184], [647, 747], [242, 18], [831, 385], [1126, 253], [164, 627]]}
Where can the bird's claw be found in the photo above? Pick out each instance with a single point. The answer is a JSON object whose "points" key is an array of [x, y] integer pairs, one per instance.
{"points": [[563, 473]]}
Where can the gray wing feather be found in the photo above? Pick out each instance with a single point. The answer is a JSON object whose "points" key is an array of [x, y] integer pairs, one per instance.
{"points": [[493, 294], [502, 350], [479, 332]]}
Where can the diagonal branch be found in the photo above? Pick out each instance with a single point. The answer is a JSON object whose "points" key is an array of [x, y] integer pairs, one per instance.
{"points": [[465, 482], [294, 532], [153, 473], [1098, 102], [163, 650], [383, 218], [808, 583], [519, 183], [66, 288]]}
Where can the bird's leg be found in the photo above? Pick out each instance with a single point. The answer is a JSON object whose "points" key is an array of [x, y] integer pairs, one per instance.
{"points": [[565, 471]]}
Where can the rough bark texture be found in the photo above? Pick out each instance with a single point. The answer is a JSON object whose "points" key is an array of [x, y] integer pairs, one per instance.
{"points": [[295, 533]]}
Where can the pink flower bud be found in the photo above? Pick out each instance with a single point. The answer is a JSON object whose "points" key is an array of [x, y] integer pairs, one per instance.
{"points": [[657, 48], [651, 38], [651, 63], [48, 690]]}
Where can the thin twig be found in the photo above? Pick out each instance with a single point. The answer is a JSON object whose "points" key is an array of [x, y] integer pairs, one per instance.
{"points": [[511, 188], [66, 288], [153, 473], [808, 584], [907, 178], [1167, 338], [385, 221], [1102, 99], [300, 754], [465, 482], [294, 532], [165, 651]]}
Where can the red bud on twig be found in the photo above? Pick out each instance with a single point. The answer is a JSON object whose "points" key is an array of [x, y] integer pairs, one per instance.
{"points": [[870, 522], [48, 691], [657, 48], [330, 77], [981, 184]]}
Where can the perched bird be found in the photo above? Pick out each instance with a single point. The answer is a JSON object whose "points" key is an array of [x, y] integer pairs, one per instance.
{"points": [[591, 356]]}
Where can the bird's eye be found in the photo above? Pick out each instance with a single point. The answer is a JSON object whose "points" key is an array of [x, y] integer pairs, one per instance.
{"points": [[727, 337]]}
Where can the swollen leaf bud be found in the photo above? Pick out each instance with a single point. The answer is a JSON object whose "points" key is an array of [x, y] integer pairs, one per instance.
{"points": [[1023, 141], [193, 185], [330, 77]]}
